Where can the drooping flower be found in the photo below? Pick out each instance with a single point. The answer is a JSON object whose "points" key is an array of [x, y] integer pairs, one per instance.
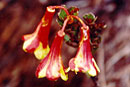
{"points": [[51, 66], [84, 61], [37, 42]]}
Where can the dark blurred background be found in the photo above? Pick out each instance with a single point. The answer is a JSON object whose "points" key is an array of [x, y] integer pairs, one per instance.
{"points": [[19, 17]]}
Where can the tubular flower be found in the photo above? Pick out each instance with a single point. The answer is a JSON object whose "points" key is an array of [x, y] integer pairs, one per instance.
{"points": [[37, 42], [84, 61], [51, 66]]}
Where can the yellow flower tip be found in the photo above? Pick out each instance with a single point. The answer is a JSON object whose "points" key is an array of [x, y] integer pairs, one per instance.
{"points": [[75, 72], [42, 72], [24, 48], [41, 52], [63, 75], [92, 72], [95, 65], [67, 70], [40, 76]]}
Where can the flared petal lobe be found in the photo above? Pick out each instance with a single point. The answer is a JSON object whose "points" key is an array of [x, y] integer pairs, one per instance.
{"points": [[84, 61], [51, 66], [37, 42]]}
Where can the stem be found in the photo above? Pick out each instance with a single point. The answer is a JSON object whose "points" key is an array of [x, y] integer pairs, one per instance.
{"points": [[65, 23], [60, 7], [61, 32], [83, 24]]}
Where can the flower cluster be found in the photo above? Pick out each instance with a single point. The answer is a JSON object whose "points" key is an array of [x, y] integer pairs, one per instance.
{"points": [[51, 65]]}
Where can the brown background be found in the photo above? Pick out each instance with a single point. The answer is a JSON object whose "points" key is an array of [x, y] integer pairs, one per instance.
{"points": [[18, 17]]}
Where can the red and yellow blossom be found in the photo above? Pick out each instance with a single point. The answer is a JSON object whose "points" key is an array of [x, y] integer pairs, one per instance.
{"points": [[37, 42], [84, 61], [51, 66]]}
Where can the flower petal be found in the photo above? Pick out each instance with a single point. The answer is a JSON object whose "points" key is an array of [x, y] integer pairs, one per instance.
{"points": [[41, 52], [30, 44], [63, 75], [42, 68]]}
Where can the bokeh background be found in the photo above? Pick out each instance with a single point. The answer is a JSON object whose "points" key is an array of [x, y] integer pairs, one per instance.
{"points": [[19, 17]]}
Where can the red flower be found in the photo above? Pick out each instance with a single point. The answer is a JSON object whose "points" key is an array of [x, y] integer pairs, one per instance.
{"points": [[37, 42], [84, 61], [51, 66]]}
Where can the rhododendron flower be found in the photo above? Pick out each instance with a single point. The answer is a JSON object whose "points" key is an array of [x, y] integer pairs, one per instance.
{"points": [[84, 61], [51, 66], [37, 42]]}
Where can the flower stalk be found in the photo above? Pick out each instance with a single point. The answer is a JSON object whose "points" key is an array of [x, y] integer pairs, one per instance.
{"points": [[59, 7], [83, 24], [66, 11]]}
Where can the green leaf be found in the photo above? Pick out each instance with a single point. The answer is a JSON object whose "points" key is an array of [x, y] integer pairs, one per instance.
{"points": [[73, 11], [60, 22], [90, 17], [62, 15], [75, 14], [67, 38]]}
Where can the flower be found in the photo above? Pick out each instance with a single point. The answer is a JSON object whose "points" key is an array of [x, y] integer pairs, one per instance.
{"points": [[37, 42], [84, 61], [51, 66]]}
